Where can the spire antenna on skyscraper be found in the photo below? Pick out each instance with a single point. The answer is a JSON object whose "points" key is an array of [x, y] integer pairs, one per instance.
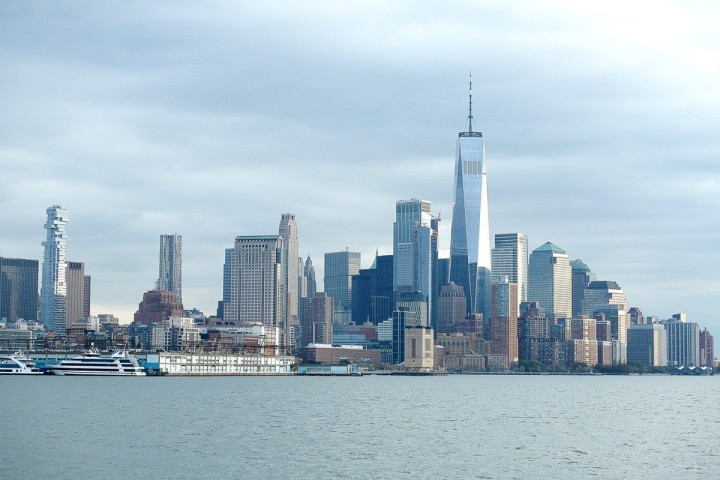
{"points": [[470, 117], [469, 132]]}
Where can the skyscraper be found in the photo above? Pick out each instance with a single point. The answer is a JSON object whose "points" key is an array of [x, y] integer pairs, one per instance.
{"points": [[549, 281], [470, 262], [289, 234], [18, 289], [309, 274], [510, 259], [170, 276], [504, 320], [581, 278], [607, 298], [413, 249], [86, 296], [75, 304], [53, 293], [339, 269], [683, 342], [256, 281]]}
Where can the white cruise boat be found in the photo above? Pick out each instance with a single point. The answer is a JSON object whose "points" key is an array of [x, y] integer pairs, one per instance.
{"points": [[93, 363], [18, 364]]}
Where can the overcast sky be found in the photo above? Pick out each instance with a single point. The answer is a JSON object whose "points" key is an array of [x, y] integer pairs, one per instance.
{"points": [[212, 119]]}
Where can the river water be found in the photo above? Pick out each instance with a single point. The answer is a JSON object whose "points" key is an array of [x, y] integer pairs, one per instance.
{"points": [[488, 426]]}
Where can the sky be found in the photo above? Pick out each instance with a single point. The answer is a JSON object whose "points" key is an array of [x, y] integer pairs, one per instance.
{"points": [[212, 119]]}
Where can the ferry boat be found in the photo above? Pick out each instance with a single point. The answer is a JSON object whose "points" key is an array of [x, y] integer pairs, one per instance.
{"points": [[119, 363], [18, 364]]}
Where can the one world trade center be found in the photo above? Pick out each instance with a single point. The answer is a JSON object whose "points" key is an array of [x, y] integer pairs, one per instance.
{"points": [[470, 234]]}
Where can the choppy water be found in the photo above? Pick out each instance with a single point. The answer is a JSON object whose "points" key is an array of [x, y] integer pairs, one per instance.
{"points": [[371, 427]]}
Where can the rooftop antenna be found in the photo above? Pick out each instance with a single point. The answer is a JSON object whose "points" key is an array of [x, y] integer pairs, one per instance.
{"points": [[470, 117]]}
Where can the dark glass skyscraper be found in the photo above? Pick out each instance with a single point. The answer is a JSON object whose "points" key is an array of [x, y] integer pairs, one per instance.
{"points": [[18, 289], [470, 262]]}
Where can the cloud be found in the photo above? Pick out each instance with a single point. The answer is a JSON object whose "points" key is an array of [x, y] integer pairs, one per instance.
{"points": [[212, 121]]}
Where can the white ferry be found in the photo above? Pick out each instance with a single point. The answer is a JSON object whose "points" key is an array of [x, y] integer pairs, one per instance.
{"points": [[93, 363], [18, 364]]}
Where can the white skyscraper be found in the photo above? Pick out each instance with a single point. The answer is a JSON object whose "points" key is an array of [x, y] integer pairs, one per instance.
{"points": [[549, 281], [170, 272], [470, 263], [53, 293], [510, 259]]}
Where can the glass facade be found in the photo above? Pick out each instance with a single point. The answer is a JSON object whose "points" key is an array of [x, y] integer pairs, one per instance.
{"points": [[53, 293], [470, 262]]}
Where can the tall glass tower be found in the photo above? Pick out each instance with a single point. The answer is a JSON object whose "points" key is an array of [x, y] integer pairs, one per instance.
{"points": [[53, 291], [170, 271], [470, 261]]}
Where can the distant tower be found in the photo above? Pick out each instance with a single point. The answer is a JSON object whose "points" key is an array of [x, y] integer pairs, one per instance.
{"points": [[18, 289], [289, 234], [413, 249], [256, 281], [170, 277], [470, 262], [510, 259], [549, 281], [339, 269], [53, 295], [309, 274], [581, 278], [75, 302]]}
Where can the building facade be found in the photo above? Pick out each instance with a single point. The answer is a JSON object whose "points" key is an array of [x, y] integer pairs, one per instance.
{"points": [[289, 233], [18, 289], [256, 291], [647, 344], [510, 259], [53, 291], [316, 320], [339, 269], [75, 304], [549, 281], [413, 249], [581, 278], [170, 270]]}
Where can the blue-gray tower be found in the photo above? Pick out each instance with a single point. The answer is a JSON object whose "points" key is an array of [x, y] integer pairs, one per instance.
{"points": [[470, 261]]}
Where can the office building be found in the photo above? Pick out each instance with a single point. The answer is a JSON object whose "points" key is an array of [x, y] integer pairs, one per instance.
{"points": [[451, 308], [53, 291], [549, 281], [413, 249], [470, 261], [510, 259], [581, 278], [504, 320], [256, 278], [707, 348], [289, 233], [310, 281], [316, 320], [647, 344], [227, 276], [75, 303], [86, 296], [607, 298], [170, 271], [683, 341], [18, 289], [339, 269]]}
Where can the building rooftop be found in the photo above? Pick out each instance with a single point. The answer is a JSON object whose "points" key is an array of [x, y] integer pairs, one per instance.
{"points": [[549, 247], [603, 285], [579, 265]]}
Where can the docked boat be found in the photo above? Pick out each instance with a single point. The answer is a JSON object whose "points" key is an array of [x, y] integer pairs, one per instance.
{"points": [[119, 363], [18, 364]]}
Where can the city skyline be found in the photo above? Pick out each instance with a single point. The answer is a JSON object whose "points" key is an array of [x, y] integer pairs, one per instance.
{"points": [[581, 131]]}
